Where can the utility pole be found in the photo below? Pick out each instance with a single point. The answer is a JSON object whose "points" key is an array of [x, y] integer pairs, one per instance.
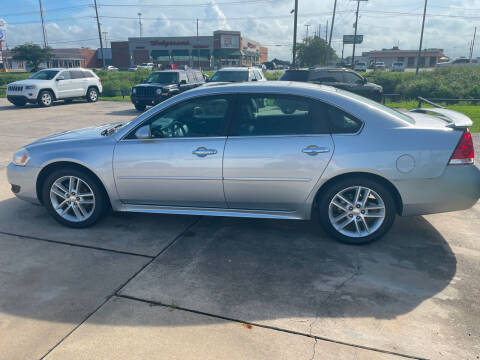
{"points": [[198, 49], [355, 35], [307, 26], [421, 37], [295, 33], [140, 23], [326, 32], [473, 44], [99, 33], [105, 38], [333, 21], [44, 30]]}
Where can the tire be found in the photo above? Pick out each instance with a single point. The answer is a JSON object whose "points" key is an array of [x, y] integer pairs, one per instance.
{"points": [[140, 107], [78, 211], [45, 98], [372, 224], [92, 95]]}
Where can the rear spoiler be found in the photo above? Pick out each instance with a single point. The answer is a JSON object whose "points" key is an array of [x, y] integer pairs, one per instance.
{"points": [[454, 119]]}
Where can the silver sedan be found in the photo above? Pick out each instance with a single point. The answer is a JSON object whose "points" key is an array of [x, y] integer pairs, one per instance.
{"points": [[272, 150]]}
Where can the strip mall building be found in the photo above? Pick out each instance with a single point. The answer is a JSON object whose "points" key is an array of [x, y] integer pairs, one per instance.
{"points": [[224, 48]]}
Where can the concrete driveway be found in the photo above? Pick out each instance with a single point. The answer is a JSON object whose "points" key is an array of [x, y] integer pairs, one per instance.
{"points": [[182, 287]]}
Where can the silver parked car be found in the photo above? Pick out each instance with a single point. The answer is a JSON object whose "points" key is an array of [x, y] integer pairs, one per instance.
{"points": [[280, 150]]}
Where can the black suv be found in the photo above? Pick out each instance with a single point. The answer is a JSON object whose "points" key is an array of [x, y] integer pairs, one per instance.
{"points": [[345, 79], [164, 84]]}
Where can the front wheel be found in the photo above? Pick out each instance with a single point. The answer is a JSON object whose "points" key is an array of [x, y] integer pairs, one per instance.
{"points": [[140, 107], [74, 198], [45, 98], [357, 210], [92, 95]]}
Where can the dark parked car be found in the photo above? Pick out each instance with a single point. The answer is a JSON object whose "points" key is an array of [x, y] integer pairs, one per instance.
{"points": [[345, 79], [162, 85]]}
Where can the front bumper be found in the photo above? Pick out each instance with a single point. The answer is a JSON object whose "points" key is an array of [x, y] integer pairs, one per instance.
{"points": [[457, 189], [23, 181], [22, 98], [148, 100]]}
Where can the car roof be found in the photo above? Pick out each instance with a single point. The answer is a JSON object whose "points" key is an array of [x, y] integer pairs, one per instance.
{"points": [[60, 69], [236, 69]]}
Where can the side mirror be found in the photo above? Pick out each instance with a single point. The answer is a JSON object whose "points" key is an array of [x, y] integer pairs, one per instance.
{"points": [[143, 132], [61, 77], [183, 82]]}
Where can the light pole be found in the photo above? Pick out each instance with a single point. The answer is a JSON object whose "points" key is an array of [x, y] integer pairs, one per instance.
{"points": [[294, 32], [307, 26], [421, 38], [44, 30], [355, 35], [140, 23], [99, 32]]}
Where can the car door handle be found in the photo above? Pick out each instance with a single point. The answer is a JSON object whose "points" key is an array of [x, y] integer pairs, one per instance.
{"points": [[203, 151], [314, 150]]}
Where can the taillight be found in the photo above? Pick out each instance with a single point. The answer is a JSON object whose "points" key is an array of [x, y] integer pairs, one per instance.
{"points": [[100, 79], [463, 154]]}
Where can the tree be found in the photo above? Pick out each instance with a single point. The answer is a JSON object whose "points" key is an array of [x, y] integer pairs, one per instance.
{"points": [[32, 54], [315, 51]]}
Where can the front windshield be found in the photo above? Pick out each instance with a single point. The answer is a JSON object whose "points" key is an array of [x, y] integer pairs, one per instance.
{"points": [[44, 75], [230, 76], [163, 78]]}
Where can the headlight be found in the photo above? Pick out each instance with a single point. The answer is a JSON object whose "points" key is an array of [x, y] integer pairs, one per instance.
{"points": [[29, 87], [21, 157], [134, 91], [159, 91]]}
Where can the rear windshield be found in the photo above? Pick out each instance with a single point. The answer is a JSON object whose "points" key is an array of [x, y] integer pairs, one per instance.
{"points": [[44, 75], [295, 75], [163, 78], [230, 76], [372, 103]]}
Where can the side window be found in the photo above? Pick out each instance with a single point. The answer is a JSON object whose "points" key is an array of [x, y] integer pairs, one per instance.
{"points": [[88, 74], [326, 76], [66, 75], [200, 77], [251, 75], [199, 117], [260, 115], [351, 78], [341, 122], [76, 74]]}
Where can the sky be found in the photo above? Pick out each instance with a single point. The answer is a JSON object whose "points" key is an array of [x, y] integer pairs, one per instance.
{"points": [[384, 23]]}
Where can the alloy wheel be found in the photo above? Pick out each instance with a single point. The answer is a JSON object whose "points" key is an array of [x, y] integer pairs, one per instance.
{"points": [[72, 198], [46, 99], [356, 211], [93, 95]]}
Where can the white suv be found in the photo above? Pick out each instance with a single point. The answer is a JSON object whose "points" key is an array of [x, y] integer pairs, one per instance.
{"points": [[237, 74], [46, 86]]}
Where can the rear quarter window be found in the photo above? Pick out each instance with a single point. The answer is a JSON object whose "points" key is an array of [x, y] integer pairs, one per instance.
{"points": [[342, 122]]}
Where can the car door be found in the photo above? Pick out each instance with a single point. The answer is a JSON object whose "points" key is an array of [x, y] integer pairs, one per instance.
{"points": [[354, 83], [80, 83], [180, 164], [278, 149], [65, 85]]}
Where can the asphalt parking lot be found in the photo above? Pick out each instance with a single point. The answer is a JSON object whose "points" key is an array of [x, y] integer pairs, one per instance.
{"points": [[182, 287]]}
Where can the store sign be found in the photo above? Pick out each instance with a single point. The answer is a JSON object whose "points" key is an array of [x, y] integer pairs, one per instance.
{"points": [[251, 46], [167, 43], [230, 42], [348, 39]]}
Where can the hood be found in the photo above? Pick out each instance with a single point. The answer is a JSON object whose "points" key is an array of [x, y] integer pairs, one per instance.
{"points": [[155, 85], [89, 133], [29, 82]]}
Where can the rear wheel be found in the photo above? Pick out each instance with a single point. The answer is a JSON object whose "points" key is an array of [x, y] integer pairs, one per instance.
{"points": [[74, 198], [140, 107], [92, 94], [357, 210], [45, 98]]}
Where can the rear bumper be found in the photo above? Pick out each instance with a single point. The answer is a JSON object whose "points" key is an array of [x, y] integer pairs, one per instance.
{"points": [[457, 189]]}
